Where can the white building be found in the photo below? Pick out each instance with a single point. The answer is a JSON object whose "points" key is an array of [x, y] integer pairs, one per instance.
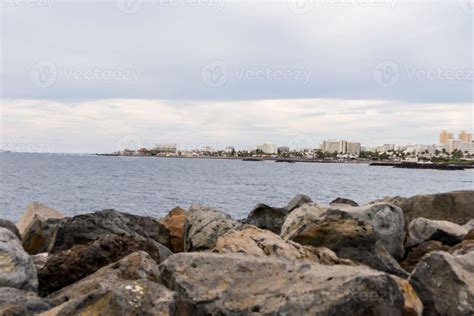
{"points": [[453, 144], [270, 149], [467, 147], [333, 145], [166, 148], [353, 149]]}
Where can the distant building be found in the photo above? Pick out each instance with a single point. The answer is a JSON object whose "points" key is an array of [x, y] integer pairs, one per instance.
{"points": [[444, 137], [386, 148], [353, 149], [333, 145], [283, 149], [465, 137], [165, 148], [269, 149], [341, 147], [453, 144], [229, 150], [467, 147], [207, 149]]}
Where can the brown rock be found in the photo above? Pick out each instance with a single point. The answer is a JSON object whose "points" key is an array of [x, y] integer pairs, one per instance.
{"points": [[258, 242], [174, 222], [133, 297], [36, 210], [137, 266], [39, 236], [66, 267], [238, 284], [456, 206], [415, 254]]}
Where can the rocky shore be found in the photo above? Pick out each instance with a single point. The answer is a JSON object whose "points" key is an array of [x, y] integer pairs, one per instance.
{"points": [[394, 256]]}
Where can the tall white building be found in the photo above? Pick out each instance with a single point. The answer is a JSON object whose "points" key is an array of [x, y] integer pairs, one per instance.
{"points": [[453, 144], [270, 149], [341, 147], [353, 149]]}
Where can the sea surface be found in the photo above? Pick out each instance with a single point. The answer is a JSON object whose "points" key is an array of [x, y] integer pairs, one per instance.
{"points": [[76, 184]]}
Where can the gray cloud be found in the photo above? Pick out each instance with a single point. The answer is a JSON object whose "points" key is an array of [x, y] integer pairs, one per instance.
{"points": [[167, 47]]}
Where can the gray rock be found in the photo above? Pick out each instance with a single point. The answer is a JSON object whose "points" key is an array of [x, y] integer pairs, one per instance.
{"points": [[40, 260], [348, 236], [68, 266], [137, 266], [469, 225], [297, 201], [422, 229], [345, 201], [36, 210], [17, 269], [267, 217], [455, 206], [85, 228], [203, 225], [20, 302], [10, 226], [131, 297], [237, 284], [445, 283], [388, 221], [39, 236]]}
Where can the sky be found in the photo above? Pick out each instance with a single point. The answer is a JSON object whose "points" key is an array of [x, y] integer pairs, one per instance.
{"points": [[98, 76]]}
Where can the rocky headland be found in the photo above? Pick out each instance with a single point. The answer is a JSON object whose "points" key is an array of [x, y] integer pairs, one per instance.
{"points": [[394, 256]]}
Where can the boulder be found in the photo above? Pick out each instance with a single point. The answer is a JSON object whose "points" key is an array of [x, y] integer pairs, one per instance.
{"points": [[39, 236], [349, 237], [301, 217], [445, 283], [267, 217], [82, 229], [469, 235], [343, 201], [297, 201], [469, 225], [40, 260], [416, 253], [20, 302], [174, 223], [388, 221], [422, 229], [38, 211], [17, 269], [454, 206], [238, 284], [68, 266], [203, 225], [258, 242], [10, 226], [132, 297], [136, 266]]}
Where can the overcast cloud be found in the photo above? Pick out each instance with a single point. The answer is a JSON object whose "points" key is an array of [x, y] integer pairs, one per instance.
{"points": [[83, 76]]}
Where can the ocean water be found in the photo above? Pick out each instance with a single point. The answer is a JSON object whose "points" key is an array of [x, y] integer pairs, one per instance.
{"points": [[76, 184]]}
